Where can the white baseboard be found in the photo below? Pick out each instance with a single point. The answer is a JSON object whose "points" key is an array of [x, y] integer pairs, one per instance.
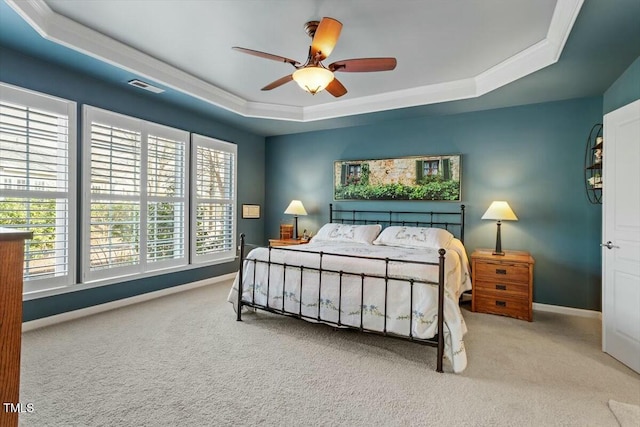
{"points": [[76, 314], [567, 310]]}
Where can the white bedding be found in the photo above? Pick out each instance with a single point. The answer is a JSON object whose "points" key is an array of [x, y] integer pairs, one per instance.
{"points": [[425, 297]]}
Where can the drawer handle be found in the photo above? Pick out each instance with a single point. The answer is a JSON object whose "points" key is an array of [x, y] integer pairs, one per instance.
{"points": [[501, 287], [501, 303], [501, 271]]}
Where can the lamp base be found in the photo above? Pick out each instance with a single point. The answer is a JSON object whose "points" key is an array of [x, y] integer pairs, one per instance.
{"points": [[498, 250]]}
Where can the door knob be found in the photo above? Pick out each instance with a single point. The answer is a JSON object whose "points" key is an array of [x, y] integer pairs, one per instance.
{"points": [[609, 245]]}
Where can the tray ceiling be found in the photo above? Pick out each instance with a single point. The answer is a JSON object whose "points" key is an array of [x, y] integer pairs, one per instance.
{"points": [[445, 50]]}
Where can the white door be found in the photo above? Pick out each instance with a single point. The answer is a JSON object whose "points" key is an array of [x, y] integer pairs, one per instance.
{"points": [[621, 235]]}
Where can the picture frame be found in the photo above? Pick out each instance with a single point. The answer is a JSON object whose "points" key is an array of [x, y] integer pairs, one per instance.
{"points": [[250, 211], [424, 178]]}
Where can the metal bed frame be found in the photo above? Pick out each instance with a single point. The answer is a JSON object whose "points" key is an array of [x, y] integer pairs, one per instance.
{"points": [[344, 216]]}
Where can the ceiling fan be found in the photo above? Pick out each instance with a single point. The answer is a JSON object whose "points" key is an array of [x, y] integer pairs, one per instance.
{"points": [[313, 76]]}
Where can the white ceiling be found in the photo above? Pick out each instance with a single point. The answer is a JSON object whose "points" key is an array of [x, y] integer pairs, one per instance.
{"points": [[446, 50]]}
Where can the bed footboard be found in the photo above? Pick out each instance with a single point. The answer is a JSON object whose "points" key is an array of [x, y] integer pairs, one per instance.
{"points": [[436, 341], [240, 278]]}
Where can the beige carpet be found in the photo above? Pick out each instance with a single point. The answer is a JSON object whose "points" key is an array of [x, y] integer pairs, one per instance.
{"points": [[627, 415], [183, 360]]}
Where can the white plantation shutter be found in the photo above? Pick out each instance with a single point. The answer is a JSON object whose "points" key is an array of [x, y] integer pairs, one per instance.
{"points": [[213, 213], [136, 206], [115, 174], [37, 182], [166, 199]]}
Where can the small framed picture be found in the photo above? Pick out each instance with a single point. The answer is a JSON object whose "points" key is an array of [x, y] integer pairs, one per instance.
{"points": [[251, 211]]}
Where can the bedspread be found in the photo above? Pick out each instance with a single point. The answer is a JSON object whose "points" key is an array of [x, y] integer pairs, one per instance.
{"points": [[323, 299]]}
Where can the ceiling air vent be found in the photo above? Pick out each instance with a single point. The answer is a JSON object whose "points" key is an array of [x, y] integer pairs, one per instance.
{"points": [[145, 86]]}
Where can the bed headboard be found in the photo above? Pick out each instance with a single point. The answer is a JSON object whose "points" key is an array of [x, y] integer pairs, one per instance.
{"points": [[449, 220]]}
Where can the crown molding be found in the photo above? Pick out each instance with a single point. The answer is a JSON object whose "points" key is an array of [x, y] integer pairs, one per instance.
{"points": [[62, 30], [443, 92]]}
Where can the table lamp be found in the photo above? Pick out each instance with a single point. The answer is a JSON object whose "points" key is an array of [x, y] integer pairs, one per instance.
{"points": [[500, 211], [295, 208]]}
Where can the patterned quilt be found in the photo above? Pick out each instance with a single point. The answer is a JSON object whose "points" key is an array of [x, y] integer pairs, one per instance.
{"points": [[358, 298]]}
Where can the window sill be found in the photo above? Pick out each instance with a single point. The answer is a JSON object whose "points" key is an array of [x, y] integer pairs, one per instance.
{"points": [[58, 290]]}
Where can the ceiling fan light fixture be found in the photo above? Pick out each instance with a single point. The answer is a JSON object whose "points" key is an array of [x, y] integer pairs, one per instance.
{"points": [[313, 79], [313, 76]]}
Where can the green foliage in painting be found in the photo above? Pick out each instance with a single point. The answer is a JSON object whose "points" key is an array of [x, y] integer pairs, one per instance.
{"points": [[429, 189]]}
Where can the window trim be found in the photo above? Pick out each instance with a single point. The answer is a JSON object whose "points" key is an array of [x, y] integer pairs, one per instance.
{"points": [[57, 105], [218, 144], [143, 267]]}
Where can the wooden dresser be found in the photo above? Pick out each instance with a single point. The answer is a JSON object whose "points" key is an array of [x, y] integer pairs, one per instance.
{"points": [[502, 284], [11, 272]]}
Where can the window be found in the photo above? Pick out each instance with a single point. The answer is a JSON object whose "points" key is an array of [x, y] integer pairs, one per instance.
{"points": [[37, 182], [166, 199], [354, 170], [135, 209], [213, 211], [430, 167], [433, 169], [141, 192], [351, 173]]}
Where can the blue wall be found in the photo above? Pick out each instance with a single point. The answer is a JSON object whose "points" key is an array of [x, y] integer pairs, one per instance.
{"points": [[532, 156], [624, 90], [31, 73]]}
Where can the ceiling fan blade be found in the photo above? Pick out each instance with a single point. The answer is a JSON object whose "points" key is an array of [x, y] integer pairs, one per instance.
{"points": [[336, 88], [325, 38], [360, 65], [266, 55], [279, 82]]}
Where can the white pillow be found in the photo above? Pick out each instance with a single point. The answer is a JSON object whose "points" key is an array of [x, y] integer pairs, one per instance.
{"points": [[347, 233], [414, 237]]}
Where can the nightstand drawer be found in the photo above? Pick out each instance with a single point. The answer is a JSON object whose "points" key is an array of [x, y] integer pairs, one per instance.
{"points": [[508, 290], [502, 272], [512, 307]]}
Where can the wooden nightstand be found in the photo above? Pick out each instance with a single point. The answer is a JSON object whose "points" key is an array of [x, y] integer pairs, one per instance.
{"points": [[286, 242], [502, 284]]}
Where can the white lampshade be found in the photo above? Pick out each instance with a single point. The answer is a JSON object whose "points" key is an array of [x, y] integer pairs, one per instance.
{"points": [[313, 79], [501, 211], [295, 208]]}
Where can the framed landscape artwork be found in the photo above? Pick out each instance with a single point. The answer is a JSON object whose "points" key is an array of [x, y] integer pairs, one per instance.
{"points": [[435, 178]]}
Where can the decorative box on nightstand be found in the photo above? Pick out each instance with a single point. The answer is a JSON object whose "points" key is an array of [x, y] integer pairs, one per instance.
{"points": [[502, 284], [286, 242]]}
